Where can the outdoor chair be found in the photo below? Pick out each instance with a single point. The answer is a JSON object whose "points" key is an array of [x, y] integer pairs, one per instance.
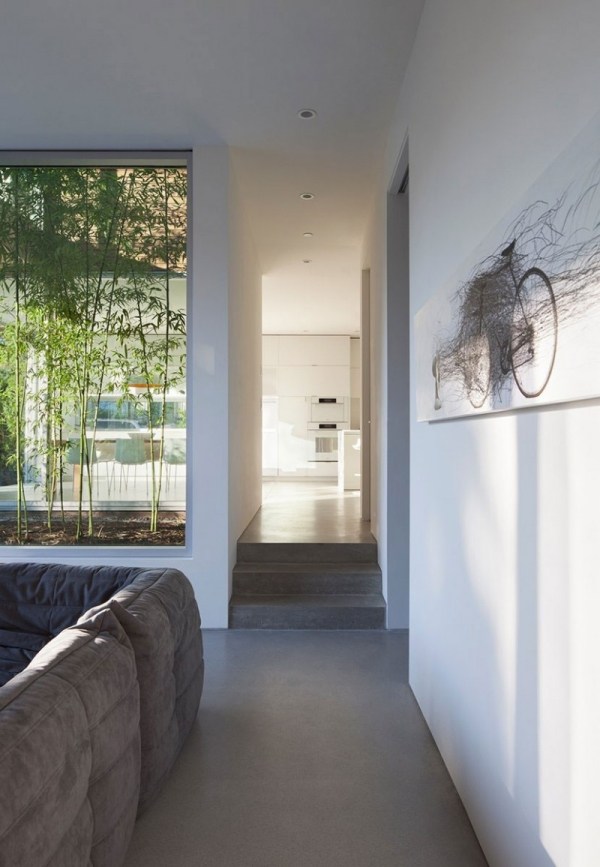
{"points": [[129, 453], [174, 456], [105, 454], [73, 458]]}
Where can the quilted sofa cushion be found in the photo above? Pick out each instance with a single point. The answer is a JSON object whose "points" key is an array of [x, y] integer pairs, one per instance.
{"points": [[44, 598], [38, 600], [69, 746], [17, 649], [159, 613]]}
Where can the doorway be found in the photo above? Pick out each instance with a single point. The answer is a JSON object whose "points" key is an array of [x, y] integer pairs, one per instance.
{"points": [[394, 445], [311, 416]]}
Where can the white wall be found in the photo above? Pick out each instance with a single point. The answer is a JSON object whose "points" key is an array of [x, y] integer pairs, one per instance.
{"points": [[395, 556], [355, 383], [390, 392], [245, 359], [208, 471], [374, 256], [505, 644]]}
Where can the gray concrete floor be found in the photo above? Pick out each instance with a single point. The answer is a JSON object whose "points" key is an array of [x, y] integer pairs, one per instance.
{"points": [[309, 751], [307, 511]]}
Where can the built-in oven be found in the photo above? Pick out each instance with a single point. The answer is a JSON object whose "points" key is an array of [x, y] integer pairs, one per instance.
{"points": [[329, 409], [323, 440]]}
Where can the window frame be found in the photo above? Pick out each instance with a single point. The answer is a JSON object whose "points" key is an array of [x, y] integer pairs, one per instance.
{"points": [[107, 159]]}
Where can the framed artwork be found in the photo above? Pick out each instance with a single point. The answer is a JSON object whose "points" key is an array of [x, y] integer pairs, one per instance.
{"points": [[520, 325]]}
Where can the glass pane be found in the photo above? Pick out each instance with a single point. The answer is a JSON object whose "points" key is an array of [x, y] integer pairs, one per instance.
{"points": [[92, 355]]}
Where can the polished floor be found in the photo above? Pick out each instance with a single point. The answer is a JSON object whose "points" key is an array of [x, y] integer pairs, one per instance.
{"points": [[307, 511], [309, 751]]}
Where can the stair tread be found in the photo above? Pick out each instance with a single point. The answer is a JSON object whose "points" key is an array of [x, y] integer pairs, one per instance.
{"points": [[334, 568], [325, 600], [311, 579], [307, 552], [291, 541], [323, 543], [308, 612]]}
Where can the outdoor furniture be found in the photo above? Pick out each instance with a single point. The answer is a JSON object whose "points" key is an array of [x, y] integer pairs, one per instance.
{"points": [[126, 676], [129, 453], [174, 456], [105, 454], [74, 458]]}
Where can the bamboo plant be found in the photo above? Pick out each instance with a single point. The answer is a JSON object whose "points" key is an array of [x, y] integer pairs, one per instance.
{"points": [[86, 262]]}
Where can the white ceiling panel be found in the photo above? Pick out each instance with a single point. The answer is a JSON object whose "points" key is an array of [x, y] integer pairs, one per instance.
{"points": [[145, 74]]}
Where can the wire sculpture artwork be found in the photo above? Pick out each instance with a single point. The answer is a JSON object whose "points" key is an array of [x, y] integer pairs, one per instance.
{"points": [[523, 327]]}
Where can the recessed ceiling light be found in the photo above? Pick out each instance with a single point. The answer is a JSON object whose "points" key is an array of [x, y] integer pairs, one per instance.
{"points": [[306, 196], [308, 234], [307, 113]]}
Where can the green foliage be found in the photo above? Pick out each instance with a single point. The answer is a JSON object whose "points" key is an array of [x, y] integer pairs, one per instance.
{"points": [[87, 256], [8, 475]]}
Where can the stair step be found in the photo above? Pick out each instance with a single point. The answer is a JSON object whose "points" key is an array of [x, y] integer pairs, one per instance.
{"points": [[311, 578], [307, 611], [301, 552]]}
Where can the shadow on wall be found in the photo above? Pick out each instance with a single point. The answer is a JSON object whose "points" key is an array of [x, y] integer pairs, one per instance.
{"points": [[485, 531], [527, 712], [542, 508]]}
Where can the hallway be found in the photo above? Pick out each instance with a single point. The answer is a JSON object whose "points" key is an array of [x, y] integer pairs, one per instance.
{"points": [[309, 751], [307, 511], [307, 561]]}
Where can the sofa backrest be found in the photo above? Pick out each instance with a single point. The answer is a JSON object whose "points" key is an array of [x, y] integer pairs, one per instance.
{"points": [[44, 598], [70, 751], [38, 600], [159, 613]]}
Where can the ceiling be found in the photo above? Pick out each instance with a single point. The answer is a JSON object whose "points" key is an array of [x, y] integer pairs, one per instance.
{"points": [[145, 74]]}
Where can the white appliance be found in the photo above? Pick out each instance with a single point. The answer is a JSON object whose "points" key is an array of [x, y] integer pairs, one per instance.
{"points": [[330, 409], [323, 441], [349, 460], [270, 423]]}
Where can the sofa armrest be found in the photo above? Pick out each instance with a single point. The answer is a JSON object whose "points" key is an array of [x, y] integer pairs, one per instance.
{"points": [[69, 751]]}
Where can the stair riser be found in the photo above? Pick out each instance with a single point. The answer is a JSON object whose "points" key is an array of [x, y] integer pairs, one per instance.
{"points": [[265, 617], [282, 552], [257, 583]]}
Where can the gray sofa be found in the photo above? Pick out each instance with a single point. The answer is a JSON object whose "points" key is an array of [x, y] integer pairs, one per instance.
{"points": [[103, 673]]}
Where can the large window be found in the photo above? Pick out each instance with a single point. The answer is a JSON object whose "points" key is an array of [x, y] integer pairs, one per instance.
{"points": [[92, 355]]}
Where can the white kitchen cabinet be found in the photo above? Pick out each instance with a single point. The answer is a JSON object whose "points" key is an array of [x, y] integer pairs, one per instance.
{"points": [[314, 349], [293, 445], [270, 438], [294, 410], [296, 368], [322, 469], [355, 383], [269, 381], [323, 381], [270, 350]]}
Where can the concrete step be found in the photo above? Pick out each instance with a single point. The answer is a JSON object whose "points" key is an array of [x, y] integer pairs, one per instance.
{"points": [[301, 552], [307, 611], [311, 578]]}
